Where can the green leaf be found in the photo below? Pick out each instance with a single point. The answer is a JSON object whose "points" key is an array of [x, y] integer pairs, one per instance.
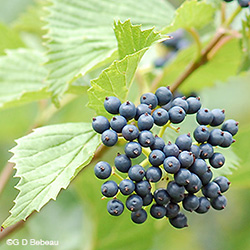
{"points": [[191, 14], [46, 161], [116, 80], [22, 77], [81, 36]]}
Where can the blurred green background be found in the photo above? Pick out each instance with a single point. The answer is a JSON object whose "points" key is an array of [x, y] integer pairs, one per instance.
{"points": [[78, 219]]}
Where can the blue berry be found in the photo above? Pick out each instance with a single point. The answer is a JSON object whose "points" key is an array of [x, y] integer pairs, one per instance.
{"points": [[219, 202], [139, 216], [130, 132], [161, 196], [112, 104], [142, 188], [204, 205], [222, 182], [153, 174], [180, 221], [109, 188], [167, 106], [160, 117], [142, 109], [158, 144], [115, 207], [204, 116], [217, 160], [164, 95], [206, 177], [145, 122], [218, 117], [176, 114], [102, 170], [244, 3], [206, 150], [175, 190], [149, 99], [195, 150], [230, 126], [184, 142], [190, 202], [136, 173], [156, 157], [211, 190], [117, 123], [157, 211], [172, 210], [122, 163], [109, 138], [201, 134], [134, 202], [146, 138], [127, 187], [127, 110], [147, 200], [133, 149], [194, 184], [199, 167], [180, 102], [216, 137], [186, 159], [100, 124], [171, 165], [194, 105], [182, 177], [228, 140], [171, 149]]}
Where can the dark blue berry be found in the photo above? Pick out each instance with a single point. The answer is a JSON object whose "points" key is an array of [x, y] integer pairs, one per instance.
{"points": [[216, 137], [122, 163], [186, 159], [164, 95], [147, 200], [157, 211], [160, 116], [204, 116], [142, 188], [146, 138], [201, 134], [115, 207], [228, 140], [206, 177], [180, 221], [156, 157], [204, 205], [127, 187], [134, 202], [136, 173], [127, 110], [100, 124], [158, 144], [171, 149], [167, 106], [230, 126], [109, 138], [176, 114], [117, 123], [171, 165], [218, 117], [194, 184], [184, 142], [142, 109], [149, 99], [102, 170], [130, 132], [194, 105], [182, 177], [211, 190], [222, 182], [219, 202], [109, 188], [139, 216], [206, 150], [180, 102], [112, 104], [145, 122], [190, 202], [175, 190], [244, 3], [199, 167], [172, 210], [133, 149], [195, 150], [217, 160], [153, 174], [161, 196]]}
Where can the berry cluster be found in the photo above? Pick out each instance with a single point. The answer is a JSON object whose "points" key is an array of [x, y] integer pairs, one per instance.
{"points": [[181, 165], [242, 3]]}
